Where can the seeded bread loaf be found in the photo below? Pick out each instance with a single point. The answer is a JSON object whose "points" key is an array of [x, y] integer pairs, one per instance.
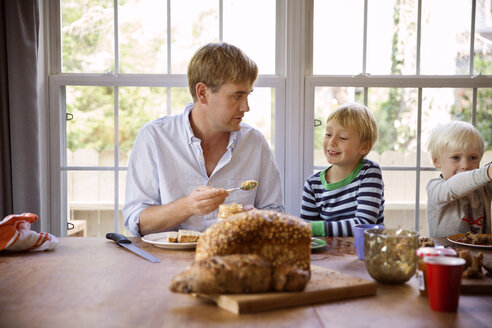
{"points": [[237, 273], [281, 239], [251, 252]]}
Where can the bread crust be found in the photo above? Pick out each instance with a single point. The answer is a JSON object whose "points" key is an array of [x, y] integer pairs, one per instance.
{"points": [[236, 273], [280, 238]]}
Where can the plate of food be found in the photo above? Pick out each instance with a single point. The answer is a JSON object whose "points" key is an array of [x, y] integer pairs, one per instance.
{"points": [[317, 243], [480, 240], [182, 239]]}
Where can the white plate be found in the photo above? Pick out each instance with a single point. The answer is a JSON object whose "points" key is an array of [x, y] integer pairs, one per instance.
{"points": [[160, 240], [458, 239]]}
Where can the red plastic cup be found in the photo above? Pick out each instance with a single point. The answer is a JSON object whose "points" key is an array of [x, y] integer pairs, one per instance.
{"points": [[444, 282]]}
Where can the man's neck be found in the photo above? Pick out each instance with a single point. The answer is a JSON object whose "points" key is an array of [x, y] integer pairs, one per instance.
{"points": [[214, 143], [202, 129]]}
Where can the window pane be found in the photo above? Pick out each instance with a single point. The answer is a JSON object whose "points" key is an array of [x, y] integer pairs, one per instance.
{"points": [[87, 32], [180, 98], [326, 100], [143, 36], [399, 207], [122, 187], [441, 106], [395, 110], [261, 114], [138, 106], [239, 31], [391, 37], [91, 129], [483, 38], [338, 36], [445, 47], [484, 116], [194, 23], [90, 197]]}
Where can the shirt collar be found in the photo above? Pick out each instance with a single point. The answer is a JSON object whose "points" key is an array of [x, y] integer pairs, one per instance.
{"points": [[189, 131], [186, 122]]}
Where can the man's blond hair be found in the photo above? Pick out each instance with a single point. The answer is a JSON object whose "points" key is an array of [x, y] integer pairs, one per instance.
{"points": [[357, 117], [454, 136], [218, 63]]}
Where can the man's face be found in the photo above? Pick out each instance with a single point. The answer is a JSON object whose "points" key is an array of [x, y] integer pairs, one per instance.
{"points": [[452, 162], [226, 107]]}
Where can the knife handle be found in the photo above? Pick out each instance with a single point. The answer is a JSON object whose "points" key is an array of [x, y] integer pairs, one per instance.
{"points": [[118, 238]]}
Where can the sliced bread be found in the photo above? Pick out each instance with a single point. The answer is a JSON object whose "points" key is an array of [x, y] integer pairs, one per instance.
{"points": [[172, 236], [188, 236]]}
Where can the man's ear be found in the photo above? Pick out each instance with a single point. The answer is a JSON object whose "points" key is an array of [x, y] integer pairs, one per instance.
{"points": [[201, 90]]}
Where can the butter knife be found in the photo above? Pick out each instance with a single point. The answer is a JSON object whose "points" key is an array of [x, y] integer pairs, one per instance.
{"points": [[125, 242]]}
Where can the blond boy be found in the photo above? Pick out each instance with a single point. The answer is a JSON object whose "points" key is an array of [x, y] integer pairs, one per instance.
{"points": [[459, 199], [351, 190]]}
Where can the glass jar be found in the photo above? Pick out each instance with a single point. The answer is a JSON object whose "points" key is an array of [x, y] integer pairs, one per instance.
{"points": [[421, 271], [227, 210], [391, 254]]}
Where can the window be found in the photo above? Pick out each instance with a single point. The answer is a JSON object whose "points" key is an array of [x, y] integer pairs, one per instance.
{"points": [[409, 62], [122, 64], [118, 64]]}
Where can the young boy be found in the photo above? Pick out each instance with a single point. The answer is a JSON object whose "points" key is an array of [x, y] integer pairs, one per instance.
{"points": [[459, 199], [351, 190]]}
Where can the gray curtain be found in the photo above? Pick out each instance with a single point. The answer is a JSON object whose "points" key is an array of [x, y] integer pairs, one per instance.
{"points": [[19, 127]]}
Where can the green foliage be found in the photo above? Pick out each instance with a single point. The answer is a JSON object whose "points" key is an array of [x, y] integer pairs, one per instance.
{"points": [[462, 110]]}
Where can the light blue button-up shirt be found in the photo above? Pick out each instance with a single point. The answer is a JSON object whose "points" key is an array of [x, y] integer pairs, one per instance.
{"points": [[167, 163]]}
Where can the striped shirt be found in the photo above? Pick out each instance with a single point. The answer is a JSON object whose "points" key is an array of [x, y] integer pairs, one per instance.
{"points": [[333, 208]]}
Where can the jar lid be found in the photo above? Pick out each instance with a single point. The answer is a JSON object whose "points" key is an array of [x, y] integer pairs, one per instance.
{"points": [[431, 251]]}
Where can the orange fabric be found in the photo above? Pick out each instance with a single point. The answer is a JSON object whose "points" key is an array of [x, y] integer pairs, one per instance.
{"points": [[16, 234]]}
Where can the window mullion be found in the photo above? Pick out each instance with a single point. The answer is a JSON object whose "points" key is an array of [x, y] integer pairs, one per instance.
{"points": [[116, 39], [418, 159], [221, 20], [472, 36], [419, 37], [116, 158], [364, 41]]}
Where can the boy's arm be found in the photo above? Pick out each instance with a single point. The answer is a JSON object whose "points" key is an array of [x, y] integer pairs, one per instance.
{"points": [[310, 212], [368, 206], [441, 192]]}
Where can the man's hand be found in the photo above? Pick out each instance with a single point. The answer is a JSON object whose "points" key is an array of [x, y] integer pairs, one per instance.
{"points": [[205, 199]]}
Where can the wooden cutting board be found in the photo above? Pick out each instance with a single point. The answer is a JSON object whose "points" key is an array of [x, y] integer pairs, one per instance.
{"points": [[477, 286], [325, 285]]}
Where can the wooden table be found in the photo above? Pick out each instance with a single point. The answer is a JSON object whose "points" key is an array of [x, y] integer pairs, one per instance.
{"points": [[91, 282]]}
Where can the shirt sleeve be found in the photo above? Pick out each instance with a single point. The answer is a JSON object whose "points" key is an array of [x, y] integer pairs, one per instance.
{"points": [[309, 210], [442, 192], [142, 189]]}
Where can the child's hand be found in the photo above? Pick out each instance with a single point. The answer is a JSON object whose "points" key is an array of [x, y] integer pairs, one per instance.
{"points": [[489, 170]]}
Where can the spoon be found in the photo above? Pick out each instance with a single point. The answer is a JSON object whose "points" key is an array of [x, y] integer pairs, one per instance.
{"points": [[246, 185]]}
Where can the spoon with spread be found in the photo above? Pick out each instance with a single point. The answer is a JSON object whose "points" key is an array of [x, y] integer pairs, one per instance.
{"points": [[246, 185]]}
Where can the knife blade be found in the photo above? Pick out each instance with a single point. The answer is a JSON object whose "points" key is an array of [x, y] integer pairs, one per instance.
{"points": [[125, 242]]}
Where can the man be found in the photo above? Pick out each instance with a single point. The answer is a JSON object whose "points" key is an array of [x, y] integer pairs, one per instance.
{"points": [[181, 165]]}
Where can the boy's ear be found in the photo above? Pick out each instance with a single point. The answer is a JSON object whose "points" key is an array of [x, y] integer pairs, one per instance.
{"points": [[436, 163], [364, 149]]}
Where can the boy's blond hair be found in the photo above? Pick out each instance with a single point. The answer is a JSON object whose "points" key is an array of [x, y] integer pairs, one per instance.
{"points": [[357, 117], [218, 63], [454, 136]]}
